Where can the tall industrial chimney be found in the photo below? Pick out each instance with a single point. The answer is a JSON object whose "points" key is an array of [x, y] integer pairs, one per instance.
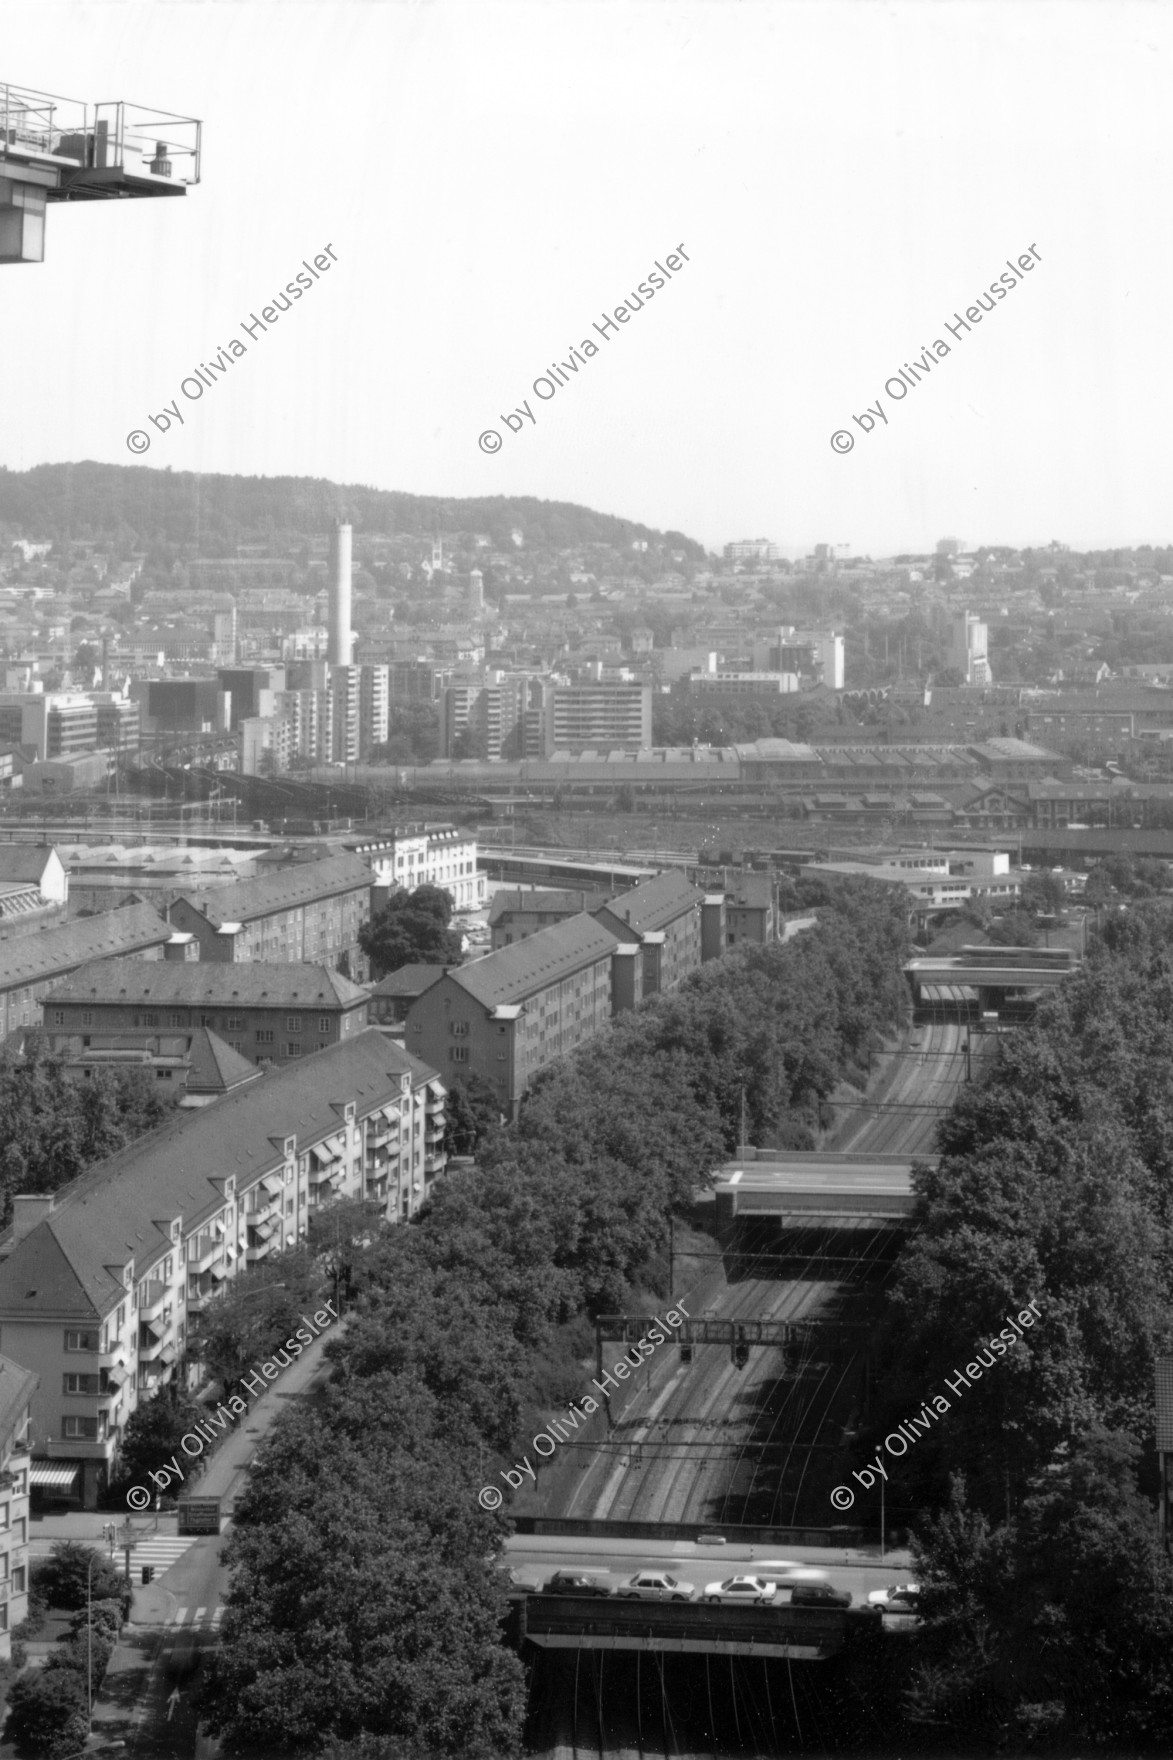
{"points": [[340, 649]]}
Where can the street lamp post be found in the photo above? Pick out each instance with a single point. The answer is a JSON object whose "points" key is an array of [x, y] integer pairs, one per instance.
{"points": [[95, 1558]]}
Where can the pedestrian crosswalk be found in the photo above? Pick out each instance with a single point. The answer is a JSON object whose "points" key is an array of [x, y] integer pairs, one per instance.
{"points": [[160, 1550], [187, 1616]]}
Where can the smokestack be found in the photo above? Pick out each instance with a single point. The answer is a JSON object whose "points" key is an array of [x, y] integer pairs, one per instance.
{"points": [[340, 649]]}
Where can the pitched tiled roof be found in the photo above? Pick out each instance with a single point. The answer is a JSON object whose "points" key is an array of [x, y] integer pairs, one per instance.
{"points": [[24, 861], [119, 1209], [513, 973], [215, 1067], [409, 980], [654, 903], [282, 891], [26, 958], [256, 984]]}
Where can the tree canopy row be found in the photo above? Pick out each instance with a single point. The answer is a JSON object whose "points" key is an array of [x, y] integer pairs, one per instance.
{"points": [[1049, 1600], [364, 1616]]}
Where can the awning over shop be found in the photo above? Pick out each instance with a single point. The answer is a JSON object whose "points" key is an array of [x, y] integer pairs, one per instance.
{"points": [[51, 1477]]}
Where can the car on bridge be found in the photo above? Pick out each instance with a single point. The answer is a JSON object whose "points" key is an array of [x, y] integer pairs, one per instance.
{"points": [[746, 1590], [815, 1594], [897, 1598], [657, 1586], [574, 1583]]}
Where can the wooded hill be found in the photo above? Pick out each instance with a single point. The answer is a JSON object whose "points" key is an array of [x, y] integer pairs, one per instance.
{"points": [[209, 515]]}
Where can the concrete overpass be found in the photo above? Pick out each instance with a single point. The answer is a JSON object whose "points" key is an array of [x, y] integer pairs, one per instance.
{"points": [[988, 977], [836, 1190], [567, 1622]]}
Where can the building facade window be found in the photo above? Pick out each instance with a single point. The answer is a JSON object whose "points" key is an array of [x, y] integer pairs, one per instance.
{"points": [[80, 1341]]}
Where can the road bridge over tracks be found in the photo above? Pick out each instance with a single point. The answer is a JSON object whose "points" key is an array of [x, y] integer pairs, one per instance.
{"points": [[834, 1189], [993, 978], [567, 1622]]}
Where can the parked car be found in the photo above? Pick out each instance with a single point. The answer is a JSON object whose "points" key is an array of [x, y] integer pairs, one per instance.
{"points": [[897, 1598], [744, 1589], [818, 1595], [573, 1583], [657, 1586]]}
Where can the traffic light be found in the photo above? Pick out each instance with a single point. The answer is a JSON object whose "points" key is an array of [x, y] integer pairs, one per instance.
{"points": [[686, 1353], [740, 1349], [148, 1573]]}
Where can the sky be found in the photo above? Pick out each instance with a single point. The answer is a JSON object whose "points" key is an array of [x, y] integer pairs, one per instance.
{"points": [[494, 179]]}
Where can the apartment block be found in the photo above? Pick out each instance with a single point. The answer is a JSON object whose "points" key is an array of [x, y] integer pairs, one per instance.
{"points": [[17, 1386], [374, 706], [101, 1279], [309, 913], [516, 913], [598, 717], [32, 964], [751, 910], [506, 1016], [269, 1012], [663, 916]]}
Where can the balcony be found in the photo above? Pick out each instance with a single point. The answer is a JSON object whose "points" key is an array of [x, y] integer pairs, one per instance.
{"points": [[435, 1163], [254, 1255], [94, 151], [206, 1251], [154, 1302], [79, 1448]]}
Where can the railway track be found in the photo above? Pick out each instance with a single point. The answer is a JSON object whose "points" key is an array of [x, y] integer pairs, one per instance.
{"points": [[720, 1445]]}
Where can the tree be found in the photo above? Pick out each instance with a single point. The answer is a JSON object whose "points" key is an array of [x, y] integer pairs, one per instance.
{"points": [[257, 1312], [327, 1633], [472, 1110], [1098, 888], [338, 1237], [86, 662], [55, 1127], [154, 1432], [1043, 894], [47, 1712], [70, 1569], [412, 927]]}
